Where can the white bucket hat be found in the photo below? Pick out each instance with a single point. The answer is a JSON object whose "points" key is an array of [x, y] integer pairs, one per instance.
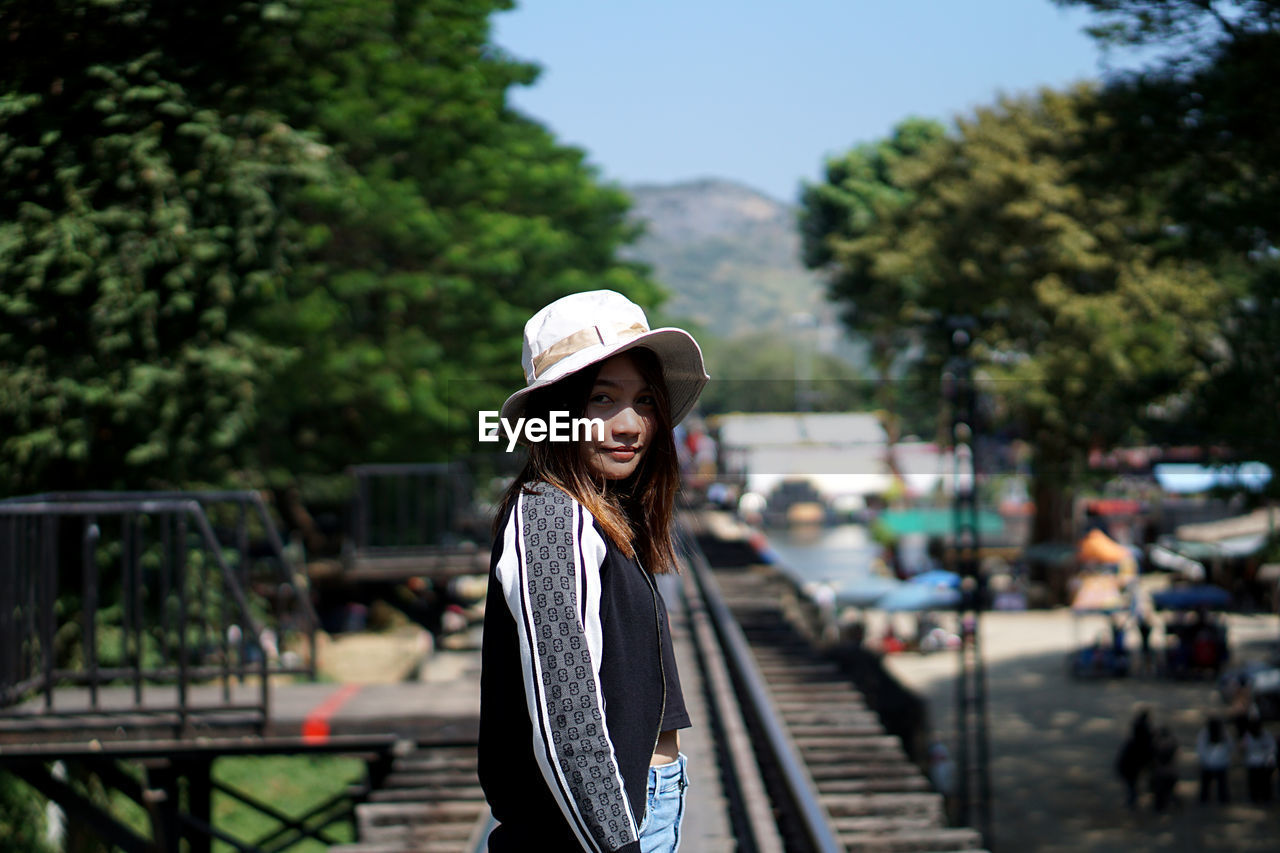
{"points": [[582, 329]]}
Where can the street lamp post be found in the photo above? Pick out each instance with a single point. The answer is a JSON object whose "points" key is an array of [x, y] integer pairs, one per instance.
{"points": [[973, 794]]}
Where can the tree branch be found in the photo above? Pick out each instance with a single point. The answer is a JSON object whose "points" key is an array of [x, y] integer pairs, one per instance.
{"points": [[1229, 28]]}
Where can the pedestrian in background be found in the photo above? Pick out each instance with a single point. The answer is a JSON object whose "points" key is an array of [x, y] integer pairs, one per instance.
{"points": [[1164, 769], [1242, 706], [1259, 748], [942, 773], [1136, 755], [1144, 634], [1213, 748]]}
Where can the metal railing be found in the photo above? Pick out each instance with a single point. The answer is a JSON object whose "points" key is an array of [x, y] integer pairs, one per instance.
{"points": [[134, 598], [774, 747]]}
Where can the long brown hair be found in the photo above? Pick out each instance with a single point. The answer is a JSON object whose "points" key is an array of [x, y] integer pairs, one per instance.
{"points": [[636, 513]]}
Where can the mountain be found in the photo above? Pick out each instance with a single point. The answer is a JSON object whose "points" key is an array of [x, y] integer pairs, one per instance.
{"points": [[730, 256]]}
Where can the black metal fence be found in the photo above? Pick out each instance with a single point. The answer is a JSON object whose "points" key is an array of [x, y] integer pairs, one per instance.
{"points": [[145, 601], [400, 508]]}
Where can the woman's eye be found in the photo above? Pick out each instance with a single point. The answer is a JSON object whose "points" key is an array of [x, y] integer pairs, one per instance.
{"points": [[598, 399], [646, 400]]}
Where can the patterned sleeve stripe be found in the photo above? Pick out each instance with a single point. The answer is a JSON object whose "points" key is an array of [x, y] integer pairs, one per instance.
{"points": [[584, 578], [570, 708], [519, 603]]}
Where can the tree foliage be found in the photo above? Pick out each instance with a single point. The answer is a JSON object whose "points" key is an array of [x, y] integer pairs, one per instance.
{"points": [[1185, 28], [451, 220], [863, 188], [1199, 124], [22, 820], [140, 228], [263, 239], [1083, 314]]}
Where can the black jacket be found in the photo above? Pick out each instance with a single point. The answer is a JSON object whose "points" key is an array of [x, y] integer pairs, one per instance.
{"points": [[572, 686]]}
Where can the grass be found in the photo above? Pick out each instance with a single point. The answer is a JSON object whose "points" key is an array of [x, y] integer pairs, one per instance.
{"points": [[291, 784]]}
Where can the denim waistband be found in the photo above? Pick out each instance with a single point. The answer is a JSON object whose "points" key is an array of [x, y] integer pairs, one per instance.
{"points": [[664, 772]]}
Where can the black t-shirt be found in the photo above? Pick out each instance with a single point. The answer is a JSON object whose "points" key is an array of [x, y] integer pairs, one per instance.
{"points": [[675, 715]]}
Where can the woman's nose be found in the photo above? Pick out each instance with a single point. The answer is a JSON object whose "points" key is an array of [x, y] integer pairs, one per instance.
{"points": [[627, 422]]}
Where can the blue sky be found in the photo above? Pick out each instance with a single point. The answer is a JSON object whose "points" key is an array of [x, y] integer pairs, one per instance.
{"points": [[762, 91]]}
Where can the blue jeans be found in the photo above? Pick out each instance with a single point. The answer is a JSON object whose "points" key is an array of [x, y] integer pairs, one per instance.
{"points": [[664, 808]]}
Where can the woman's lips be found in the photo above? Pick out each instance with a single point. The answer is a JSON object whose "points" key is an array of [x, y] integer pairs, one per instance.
{"points": [[622, 454]]}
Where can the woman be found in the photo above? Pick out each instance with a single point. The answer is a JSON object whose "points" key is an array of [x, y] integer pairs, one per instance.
{"points": [[580, 699]]}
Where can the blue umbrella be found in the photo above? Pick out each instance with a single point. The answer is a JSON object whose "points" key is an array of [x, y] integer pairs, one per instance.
{"points": [[865, 590], [914, 596], [1192, 597], [937, 577]]}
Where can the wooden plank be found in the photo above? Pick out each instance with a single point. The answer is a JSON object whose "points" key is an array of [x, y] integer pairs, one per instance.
{"points": [[925, 805], [913, 841]]}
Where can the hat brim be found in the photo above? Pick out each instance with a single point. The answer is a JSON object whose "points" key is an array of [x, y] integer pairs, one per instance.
{"points": [[678, 354]]}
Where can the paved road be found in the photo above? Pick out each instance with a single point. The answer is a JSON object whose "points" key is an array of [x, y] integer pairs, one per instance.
{"points": [[1053, 741]]}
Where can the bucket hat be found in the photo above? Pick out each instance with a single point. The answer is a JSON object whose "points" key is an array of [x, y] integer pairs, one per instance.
{"points": [[583, 329]]}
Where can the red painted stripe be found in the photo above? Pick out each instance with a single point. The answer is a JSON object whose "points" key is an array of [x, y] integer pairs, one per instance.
{"points": [[315, 726]]}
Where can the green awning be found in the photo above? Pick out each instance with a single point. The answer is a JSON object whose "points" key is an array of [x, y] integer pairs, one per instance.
{"points": [[933, 521]]}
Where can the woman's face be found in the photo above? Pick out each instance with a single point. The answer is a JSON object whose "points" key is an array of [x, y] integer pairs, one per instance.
{"points": [[621, 398]]}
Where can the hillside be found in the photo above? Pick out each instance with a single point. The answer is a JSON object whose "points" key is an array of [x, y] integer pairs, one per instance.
{"points": [[730, 255]]}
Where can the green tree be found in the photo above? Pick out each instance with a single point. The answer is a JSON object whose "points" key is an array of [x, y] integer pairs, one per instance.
{"points": [[863, 188], [1083, 316], [195, 290], [140, 228], [21, 817], [1183, 28], [1199, 124], [451, 220]]}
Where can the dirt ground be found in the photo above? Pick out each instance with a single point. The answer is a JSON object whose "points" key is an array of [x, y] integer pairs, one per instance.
{"points": [[1053, 740], [373, 657]]}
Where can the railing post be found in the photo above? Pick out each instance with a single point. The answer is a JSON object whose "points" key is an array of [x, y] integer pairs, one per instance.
{"points": [[166, 805], [199, 801], [180, 578], [126, 577], [8, 608], [166, 630], [47, 596], [362, 511], [89, 567], [166, 555], [139, 605]]}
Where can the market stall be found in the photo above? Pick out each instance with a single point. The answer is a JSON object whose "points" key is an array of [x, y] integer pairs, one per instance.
{"points": [[1195, 638], [1104, 655]]}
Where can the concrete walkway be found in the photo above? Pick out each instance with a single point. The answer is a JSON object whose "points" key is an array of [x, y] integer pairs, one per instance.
{"points": [[705, 828], [1053, 741]]}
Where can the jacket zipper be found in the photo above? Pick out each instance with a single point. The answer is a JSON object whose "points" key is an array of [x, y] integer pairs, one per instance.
{"points": [[662, 670]]}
